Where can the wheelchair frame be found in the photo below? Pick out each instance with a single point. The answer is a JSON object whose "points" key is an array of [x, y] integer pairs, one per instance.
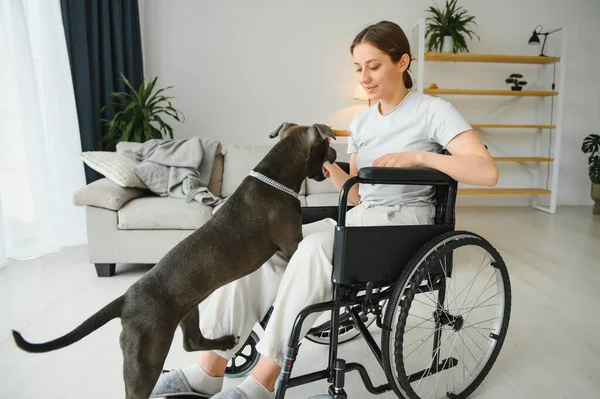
{"points": [[352, 246]]}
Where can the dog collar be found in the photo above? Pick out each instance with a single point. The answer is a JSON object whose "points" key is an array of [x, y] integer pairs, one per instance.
{"points": [[273, 183]]}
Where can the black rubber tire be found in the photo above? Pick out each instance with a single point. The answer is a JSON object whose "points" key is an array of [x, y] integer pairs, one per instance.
{"points": [[234, 371], [411, 278]]}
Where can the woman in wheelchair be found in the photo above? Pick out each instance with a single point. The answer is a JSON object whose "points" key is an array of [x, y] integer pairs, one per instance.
{"points": [[403, 128]]}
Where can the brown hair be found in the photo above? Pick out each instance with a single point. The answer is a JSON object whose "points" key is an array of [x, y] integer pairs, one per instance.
{"points": [[390, 39]]}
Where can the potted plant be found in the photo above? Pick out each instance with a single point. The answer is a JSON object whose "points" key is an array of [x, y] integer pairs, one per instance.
{"points": [[139, 114], [447, 29], [517, 85], [591, 145]]}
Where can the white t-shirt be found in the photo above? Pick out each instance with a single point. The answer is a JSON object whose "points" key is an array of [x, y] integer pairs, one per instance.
{"points": [[419, 123]]}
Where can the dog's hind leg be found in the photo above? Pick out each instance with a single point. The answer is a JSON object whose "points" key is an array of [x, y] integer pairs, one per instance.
{"points": [[193, 339], [144, 354]]}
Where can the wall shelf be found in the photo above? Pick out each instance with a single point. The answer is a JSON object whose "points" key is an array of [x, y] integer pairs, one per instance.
{"points": [[491, 58], [480, 92], [346, 133], [523, 159], [503, 191], [509, 126]]}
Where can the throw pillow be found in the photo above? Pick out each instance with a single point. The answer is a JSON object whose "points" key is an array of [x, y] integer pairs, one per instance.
{"points": [[114, 166]]}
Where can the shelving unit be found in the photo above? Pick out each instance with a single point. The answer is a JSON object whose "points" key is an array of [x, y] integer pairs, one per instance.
{"points": [[553, 128], [465, 92]]}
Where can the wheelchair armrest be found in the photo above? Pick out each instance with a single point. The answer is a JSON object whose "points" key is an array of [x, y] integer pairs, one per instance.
{"points": [[416, 176]]}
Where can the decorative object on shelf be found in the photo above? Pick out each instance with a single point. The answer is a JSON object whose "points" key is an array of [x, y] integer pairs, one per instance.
{"points": [[591, 145], [433, 86], [535, 39], [447, 29], [139, 114], [517, 85]]}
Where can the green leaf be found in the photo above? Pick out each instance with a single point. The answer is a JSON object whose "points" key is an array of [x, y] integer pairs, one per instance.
{"points": [[591, 144], [594, 169], [135, 112]]}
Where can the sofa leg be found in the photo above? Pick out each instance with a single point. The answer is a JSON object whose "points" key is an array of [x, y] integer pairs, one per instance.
{"points": [[105, 269]]}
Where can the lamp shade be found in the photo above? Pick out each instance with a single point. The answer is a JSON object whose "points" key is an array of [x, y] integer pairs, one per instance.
{"points": [[359, 93], [534, 39]]}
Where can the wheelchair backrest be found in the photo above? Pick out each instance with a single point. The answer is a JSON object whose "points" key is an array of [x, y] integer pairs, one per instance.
{"points": [[379, 253]]}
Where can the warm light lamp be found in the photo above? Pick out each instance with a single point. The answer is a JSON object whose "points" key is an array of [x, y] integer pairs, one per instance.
{"points": [[361, 94]]}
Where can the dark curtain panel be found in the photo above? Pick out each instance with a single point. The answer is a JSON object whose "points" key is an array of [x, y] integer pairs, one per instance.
{"points": [[103, 40]]}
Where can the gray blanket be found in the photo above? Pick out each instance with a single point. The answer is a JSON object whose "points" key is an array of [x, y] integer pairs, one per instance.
{"points": [[178, 168]]}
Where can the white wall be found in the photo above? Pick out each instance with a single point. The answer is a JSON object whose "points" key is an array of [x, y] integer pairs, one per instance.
{"points": [[241, 68]]}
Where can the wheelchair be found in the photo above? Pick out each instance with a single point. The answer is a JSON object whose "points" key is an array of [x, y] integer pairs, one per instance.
{"points": [[441, 298]]}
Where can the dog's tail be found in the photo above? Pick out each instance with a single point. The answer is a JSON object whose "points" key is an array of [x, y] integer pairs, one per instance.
{"points": [[94, 322]]}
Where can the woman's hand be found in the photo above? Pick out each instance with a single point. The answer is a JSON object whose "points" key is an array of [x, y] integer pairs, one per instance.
{"points": [[399, 160], [327, 168]]}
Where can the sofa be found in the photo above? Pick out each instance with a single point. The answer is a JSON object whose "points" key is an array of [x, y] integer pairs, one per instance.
{"points": [[133, 225]]}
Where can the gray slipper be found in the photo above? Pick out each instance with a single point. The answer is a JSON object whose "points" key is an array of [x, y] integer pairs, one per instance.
{"points": [[234, 393], [174, 385]]}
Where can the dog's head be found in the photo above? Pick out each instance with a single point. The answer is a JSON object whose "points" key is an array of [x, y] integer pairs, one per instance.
{"points": [[315, 139]]}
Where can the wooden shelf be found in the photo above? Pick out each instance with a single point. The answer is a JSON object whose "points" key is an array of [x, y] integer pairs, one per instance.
{"points": [[503, 191], [491, 58], [523, 159], [346, 133], [479, 92], [341, 133], [500, 126]]}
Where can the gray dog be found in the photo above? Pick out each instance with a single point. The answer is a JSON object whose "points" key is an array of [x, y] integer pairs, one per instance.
{"points": [[259, 219]]}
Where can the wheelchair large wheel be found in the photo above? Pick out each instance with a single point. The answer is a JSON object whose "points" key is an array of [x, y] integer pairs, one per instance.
{"points": [[448, 318], [245, 359]]}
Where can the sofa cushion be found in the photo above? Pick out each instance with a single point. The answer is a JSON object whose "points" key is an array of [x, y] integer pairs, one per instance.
{"points": [[216, 178], [326, 186], [153, 212], [103, 193], [239, 161], [115, 166]]}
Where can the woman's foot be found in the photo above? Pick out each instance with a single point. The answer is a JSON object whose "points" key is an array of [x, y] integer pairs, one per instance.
{"points": [[259, 385], [248, 389], [203, 378]]}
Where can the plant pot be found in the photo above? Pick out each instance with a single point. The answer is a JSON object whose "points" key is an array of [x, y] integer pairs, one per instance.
{"points": [[596, 197], [448, 46], [516, 88]]}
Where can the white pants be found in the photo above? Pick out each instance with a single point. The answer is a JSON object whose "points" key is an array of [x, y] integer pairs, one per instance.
{"points": [[236, 307]]}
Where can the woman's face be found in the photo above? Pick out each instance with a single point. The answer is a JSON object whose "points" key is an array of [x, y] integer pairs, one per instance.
{"points": [[379, 76]]}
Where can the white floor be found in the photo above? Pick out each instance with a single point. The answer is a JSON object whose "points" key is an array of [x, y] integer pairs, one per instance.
{"points": [[552, 349]]}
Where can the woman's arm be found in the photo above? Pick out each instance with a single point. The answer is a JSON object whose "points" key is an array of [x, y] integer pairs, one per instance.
{"points": [[470, 163], [338, 177]]}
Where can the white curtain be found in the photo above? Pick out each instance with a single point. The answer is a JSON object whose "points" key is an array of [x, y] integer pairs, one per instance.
{"points": [[40, 167]]}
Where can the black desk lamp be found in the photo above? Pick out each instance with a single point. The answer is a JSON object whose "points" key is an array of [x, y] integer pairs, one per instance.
{"points": [[534, 39]]}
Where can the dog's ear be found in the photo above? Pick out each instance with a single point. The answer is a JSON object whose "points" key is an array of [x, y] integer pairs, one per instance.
{"points": [[324, 130], [282, 130]]}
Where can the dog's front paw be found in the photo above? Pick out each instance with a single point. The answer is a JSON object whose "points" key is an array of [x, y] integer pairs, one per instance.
{"points": [[227, 342], [224, 343]]}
